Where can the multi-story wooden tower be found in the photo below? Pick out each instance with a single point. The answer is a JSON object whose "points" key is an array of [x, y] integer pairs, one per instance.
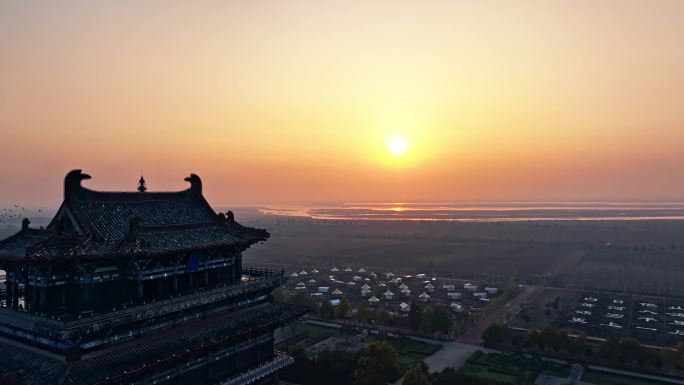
{"points": [[137, 288]]}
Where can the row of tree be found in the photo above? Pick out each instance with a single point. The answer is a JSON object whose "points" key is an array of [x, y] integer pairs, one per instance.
{"points": [[429, 319], [376, 364], [625, 350], [419, 375]]}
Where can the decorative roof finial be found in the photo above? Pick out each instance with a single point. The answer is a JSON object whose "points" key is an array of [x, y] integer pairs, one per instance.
{"points": [[141, 184]]}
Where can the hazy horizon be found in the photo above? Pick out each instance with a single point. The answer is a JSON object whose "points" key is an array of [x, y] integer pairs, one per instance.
{"points": [[298, 101]]}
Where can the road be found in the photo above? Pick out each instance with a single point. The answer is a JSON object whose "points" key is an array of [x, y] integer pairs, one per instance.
{"points": [[474, 335]]}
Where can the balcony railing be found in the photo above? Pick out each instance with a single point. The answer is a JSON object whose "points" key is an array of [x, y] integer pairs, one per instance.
{"points": [[255, 280], [263, 370]]}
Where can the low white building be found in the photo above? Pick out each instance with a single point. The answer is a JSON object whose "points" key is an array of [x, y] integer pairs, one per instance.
{"points": [[480, 295], [323, 289], [449, 287], [356, 278], [454, 295], [469, 287], [404, 307], [491, 290], [456, 307]]}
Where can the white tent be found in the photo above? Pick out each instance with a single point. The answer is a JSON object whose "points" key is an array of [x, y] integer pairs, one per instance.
{"points": [[334, 269], [294, 275], [403, 286], [312, 280], [388, 294], [362, 270], [303, 272], [404, 307], [373, 300], [349, 270], [337, 292], [424, 297], [365, 287], [429, 287], [314, 271]]}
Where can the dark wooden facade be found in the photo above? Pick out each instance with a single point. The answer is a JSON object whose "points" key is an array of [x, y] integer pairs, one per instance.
{"points": [[137, 287]]}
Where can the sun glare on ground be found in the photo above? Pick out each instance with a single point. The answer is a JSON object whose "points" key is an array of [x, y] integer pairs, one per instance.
{"points": [[398, 146]]}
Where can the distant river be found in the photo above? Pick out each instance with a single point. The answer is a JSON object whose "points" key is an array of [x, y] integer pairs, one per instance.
{"points": [[483, 212]]}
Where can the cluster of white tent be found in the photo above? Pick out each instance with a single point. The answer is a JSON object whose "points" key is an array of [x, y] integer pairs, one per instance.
{"points": [[403, 289]]}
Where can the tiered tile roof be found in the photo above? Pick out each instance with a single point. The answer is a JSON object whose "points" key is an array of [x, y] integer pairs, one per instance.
{"points": [[143, 355], [95, 224]]}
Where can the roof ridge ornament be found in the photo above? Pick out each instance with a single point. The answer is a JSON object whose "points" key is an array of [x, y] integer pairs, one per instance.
{"points": [[141, 184], [195, 183], [72, 183]]}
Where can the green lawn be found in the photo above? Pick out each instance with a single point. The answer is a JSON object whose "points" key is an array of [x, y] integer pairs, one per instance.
{"points": [[602, 378], [306, 335], [511, 369], [410, 352]]}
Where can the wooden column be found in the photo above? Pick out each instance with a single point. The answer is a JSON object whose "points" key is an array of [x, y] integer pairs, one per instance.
{"points": [[43, 296], [63, 290], [88, 290], [205, 273], [160, 287], [140, 289], [8, 297], [177, 262], [15, 296]]}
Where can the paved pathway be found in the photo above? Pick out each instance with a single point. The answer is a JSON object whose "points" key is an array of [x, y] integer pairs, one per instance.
{"points": [[474, 335]]}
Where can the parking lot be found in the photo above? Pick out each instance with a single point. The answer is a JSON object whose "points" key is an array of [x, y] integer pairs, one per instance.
{"points": [[652, 320]]}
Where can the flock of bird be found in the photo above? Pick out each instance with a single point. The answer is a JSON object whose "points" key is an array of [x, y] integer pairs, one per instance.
{"points": [[14, 213]]}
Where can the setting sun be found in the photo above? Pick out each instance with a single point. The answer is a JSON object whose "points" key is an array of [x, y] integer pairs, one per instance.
{"points": [[398, 146]]}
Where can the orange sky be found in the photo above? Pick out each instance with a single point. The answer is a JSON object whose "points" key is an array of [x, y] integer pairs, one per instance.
{"points": [[295, 101]]}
